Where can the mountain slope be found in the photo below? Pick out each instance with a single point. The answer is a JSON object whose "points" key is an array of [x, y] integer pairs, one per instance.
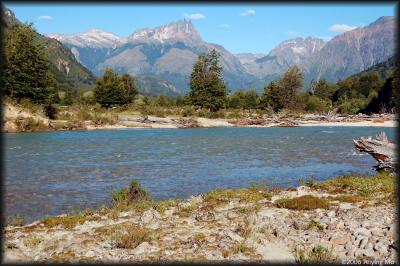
{"points": [[168, 51], [352, 51], [67, 71]]}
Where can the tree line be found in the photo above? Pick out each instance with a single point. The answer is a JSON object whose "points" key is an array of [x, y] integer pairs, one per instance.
{"points": [[27, 75]]}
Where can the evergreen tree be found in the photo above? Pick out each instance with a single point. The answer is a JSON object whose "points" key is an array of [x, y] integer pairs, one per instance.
{"points": [[130, 86], [251, 99], [290, 83], [110, 89], [207, 84], [26, 70]]}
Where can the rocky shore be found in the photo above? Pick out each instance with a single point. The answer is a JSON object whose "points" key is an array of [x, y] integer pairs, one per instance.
{"points": [[341, 220], [20, 120]]}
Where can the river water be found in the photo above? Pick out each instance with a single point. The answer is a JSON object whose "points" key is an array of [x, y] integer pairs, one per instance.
{"points": [[56, 172]]}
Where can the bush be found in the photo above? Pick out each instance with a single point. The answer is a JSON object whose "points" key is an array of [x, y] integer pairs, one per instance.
{"points": [[306, 202], [132, 194], [50, 111], [130, 237]]}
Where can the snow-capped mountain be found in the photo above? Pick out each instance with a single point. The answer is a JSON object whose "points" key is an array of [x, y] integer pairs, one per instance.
{"points": [[169, 52], [286, 54], [93, 38], [182, 30]]}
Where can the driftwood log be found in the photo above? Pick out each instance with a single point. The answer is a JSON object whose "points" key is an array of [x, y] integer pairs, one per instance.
{"points": [[383, 151]]}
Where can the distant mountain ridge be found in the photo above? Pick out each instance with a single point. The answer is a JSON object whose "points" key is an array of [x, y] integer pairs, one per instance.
{"points": [[169, 51]]}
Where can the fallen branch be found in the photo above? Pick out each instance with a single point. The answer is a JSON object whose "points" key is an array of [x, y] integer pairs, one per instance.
{"points": [[381, 149]]}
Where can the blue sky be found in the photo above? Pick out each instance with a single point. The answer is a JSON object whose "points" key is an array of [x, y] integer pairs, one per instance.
{"points": [[253, 27]]}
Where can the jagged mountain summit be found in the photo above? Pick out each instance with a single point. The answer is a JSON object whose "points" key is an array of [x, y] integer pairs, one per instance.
{"points": [[94, 38], [169, 52]]}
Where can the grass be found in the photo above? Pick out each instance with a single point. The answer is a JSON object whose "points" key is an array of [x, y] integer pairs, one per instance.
{"points": [[67, 222], [317, 254], [16, 220], [361, 185], [130, 236], [307, 202], [315, 224], [30, 124], [32, 242], [252, 194]]}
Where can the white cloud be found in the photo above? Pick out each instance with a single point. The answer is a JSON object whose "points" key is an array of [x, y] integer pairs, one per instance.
{"points": [[248, 12], [194, 16], [45, 18], [341, 28], [225, 25]]}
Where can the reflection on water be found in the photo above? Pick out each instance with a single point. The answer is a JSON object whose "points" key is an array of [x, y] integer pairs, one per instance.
{"points": [[51, 173]]}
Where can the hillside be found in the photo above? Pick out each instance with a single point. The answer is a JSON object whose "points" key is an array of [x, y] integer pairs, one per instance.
{"points": [[68, 72]]}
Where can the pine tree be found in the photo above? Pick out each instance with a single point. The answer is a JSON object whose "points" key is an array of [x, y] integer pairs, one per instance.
{"points": [[207, 84], [110, 90], [26, 70], [290, 83], [130, 86]]}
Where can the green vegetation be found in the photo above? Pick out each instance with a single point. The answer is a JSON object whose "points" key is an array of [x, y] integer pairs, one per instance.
{"points": [[317, 254], [307, 202], [315, 224], [361, 185], [207, 84], [67, 222], [130, 236], [27, 71], [111, 89]]}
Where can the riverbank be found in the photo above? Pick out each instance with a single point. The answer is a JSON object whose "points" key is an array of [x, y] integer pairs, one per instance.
{"points": [[346, 218], [17, 119]]}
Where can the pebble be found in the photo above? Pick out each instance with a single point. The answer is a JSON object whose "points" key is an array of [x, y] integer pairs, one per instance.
{"points": [[363, 243], [377, 231], [362, 231], [331, 214]]}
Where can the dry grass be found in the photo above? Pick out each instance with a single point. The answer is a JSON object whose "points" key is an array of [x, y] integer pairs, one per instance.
{"points": [[130, 236], [67, 222], [317, 254], [306, 202], [247, 195]]}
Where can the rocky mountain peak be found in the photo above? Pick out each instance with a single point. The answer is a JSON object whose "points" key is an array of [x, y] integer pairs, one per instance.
{"points": [[94, 38], [182, 30]]}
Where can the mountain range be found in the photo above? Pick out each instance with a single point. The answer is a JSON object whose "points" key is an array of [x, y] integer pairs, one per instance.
{"points": [[161, 58]]}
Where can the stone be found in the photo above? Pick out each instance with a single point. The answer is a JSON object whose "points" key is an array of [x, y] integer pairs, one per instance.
{"points": [[331, 214], [345, 206], [340, 225], [150, 216], [369, 245], [204, 216], [362, 231], [363, 243], [142, 248], [368, 252], [339, 240]]}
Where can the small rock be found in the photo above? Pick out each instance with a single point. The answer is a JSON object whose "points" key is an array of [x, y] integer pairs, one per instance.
{"points": [[150, 216], [340, 225], [339, 240], [368, 252], [377, 231], [331, 214], [363, 243], [143, 247], [362, 231], [345, 206], [204, 216], [369, 245]]}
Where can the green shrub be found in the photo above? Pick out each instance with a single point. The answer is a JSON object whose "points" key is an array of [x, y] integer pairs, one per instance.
{"points": [[132, 194], [307, 202]]}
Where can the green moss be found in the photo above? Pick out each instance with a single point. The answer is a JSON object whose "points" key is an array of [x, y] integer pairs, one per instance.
{"points": [[306, 202]]}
